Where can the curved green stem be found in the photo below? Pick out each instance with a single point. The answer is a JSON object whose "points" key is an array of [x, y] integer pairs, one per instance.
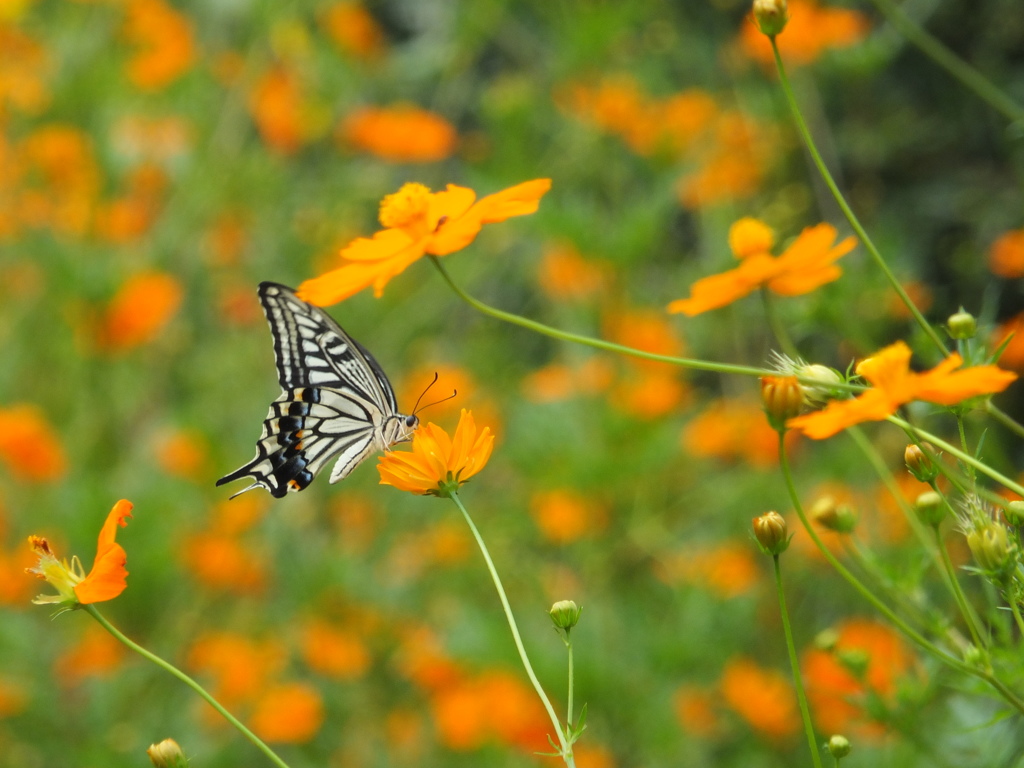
{"points": [[798, 683], [851, 217], [968, 76], [168, 667], [965, 458], [881, 607], [958, 593], [1004, 418], [566, 747]]}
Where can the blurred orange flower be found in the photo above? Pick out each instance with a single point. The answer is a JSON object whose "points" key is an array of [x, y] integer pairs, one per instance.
{"points": [[438, 464], [56, 179], [696, 712], [106, 580], [617, 105], [729, 569], [811, 30], [1006, 255], [762, 697], [96, 653], [895, 384], [732, 429], [24, 66], [140, 310], [163, 40], [338, 653], [13, 698], [566, 275], [128, 217], [650, 394], [29, 445], [418, 222], [183, 453], [805, 265], [565, 516], [218, 558], [240, 666], [558, 381], [491, 705], [353, 29], [288, 713], [278, 107], [837, 695], [402, 133], [1013, 354]]}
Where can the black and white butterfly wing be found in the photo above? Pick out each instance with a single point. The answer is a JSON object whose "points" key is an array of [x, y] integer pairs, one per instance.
{"points": [[335, 400]]}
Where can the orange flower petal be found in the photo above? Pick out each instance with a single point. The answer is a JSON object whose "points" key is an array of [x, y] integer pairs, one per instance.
{"points": [[107, 579], [722, 289], [873, 405], [749, 236], [455, 234]]}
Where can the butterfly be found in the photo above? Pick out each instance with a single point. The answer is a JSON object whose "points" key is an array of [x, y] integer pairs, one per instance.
{"points": [[335, 400]]}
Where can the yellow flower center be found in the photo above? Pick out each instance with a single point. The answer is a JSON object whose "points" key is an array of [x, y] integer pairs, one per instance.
{"points": [[407, 208]]}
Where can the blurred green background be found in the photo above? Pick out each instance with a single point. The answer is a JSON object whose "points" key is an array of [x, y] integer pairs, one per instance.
{"points": [[157, 161]]}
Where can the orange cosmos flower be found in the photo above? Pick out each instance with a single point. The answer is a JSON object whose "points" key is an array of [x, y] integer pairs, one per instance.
{"points": [[339, 653], [29, 445], [1011, 333], [565, 274], [805, 265], [438, 464], [1006, 256], [278, 107], [140, 310], [811, 30], [895, 384], [564, 516], [24, 66], [105, 581], [418, 222], [288, 713], [353, 29], [163, 40], [763, 697], [97, 653], [402, 133]]}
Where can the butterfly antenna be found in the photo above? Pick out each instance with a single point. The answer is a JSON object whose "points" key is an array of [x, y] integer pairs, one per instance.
{"points": [[453, 394], [416, 407]]}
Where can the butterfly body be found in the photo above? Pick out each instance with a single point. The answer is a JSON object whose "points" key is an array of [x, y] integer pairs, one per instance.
{"points": [[335, 400]]}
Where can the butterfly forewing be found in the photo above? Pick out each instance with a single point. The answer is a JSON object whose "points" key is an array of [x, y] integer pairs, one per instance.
{"points": [[335, 400]]}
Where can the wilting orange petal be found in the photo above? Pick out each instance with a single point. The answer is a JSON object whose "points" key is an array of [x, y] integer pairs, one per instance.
{"points": [[107, 579]]}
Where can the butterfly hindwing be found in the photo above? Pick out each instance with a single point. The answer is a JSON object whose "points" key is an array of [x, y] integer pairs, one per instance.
{"points": [[336, 400]]}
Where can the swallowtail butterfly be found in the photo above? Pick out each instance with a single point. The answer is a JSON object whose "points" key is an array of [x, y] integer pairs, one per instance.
{"points": [[335, 400]]}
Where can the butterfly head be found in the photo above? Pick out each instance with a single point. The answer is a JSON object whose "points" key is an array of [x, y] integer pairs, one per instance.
{"points": [[401, 428]]}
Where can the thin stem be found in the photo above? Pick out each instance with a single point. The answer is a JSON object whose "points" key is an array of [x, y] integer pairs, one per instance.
{"points": [[798, 683], [968, 76], [851, 217], [901, 625], [1016, 615], [1004, 418], [568, 645], [566, 747], [168, 667], [965, 458], [778, 329], [961, 429], [954, 584]]}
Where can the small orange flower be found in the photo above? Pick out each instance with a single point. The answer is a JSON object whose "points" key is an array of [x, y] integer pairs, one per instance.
{"points": [[1013, 352], [24, 66], [278, 107], [353, 29], [163, 38], [805, 265], [558, 381], [695, 710], [105, 581], [335, 652], [895, 384], [728, 569], [402, 133], [762, 697], [96, 654], [288, 713], [140, 310], [29, 445], [183, 453], [240, 667], [731, 430], [564, 516], [1006, 256], [811, 30], [565, 274], [418, 222], [438, 464]]}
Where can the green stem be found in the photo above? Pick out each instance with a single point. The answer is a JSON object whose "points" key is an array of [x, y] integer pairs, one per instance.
{"points": [[968, 76], [168, 667], [1016, 615], [798, 683], [1004, 418], [962, 430], [851, 217], [566, 747], [568, 645], [778, 329], [965, 458], [901, 625], [954, 584]]}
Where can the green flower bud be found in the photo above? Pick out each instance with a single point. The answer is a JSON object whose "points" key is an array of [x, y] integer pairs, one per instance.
{"points": [[838, 746], [771, 16], [962, 325], [919, 463], [832, 516], [826, 640], [565, 614], [930, 508], [825, 388], [991, 548], [1015, 513], [782, 397], [167, 754], [771, 533]]}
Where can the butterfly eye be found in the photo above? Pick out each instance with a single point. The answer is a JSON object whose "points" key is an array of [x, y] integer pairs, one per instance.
{"points": [[411, 421]]}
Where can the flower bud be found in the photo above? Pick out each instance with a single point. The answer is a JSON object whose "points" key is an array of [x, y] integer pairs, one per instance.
{"points": [[962, 325], [991, 547], [855, 661], [832, 516], [919, 463], [167, 754], [565, 614], [826, 639], [930, 508], [771, 533], [838, 746], [1015, 513], [782, 397], [826, 381], [771, 16]]}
